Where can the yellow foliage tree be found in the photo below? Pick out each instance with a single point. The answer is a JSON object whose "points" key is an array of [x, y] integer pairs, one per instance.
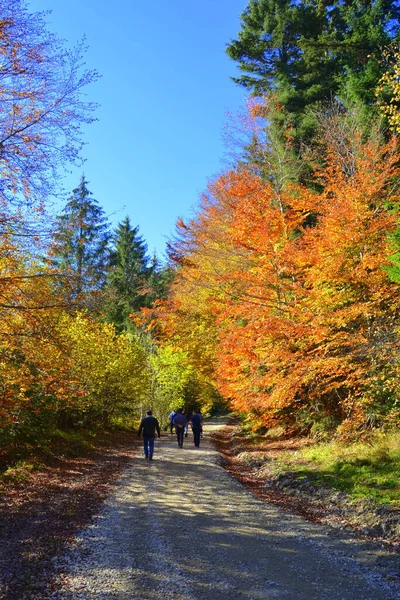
{"points": [[112, 370], [388, 90]]}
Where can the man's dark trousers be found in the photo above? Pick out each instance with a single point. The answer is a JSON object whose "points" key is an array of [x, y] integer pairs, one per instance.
{"points": [[148, 446], [196, 435], [179, 434]]}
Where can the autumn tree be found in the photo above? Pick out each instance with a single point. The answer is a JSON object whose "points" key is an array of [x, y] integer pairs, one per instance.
{"points": [[303, 319], [110, 371], [68, 370], [41, 105], [32, 361], [80, 246], [56, 368], [388, 90], [172, 376], [41, 113]]}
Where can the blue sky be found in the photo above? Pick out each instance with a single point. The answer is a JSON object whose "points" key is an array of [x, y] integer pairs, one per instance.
{"points": [[164, 94]]}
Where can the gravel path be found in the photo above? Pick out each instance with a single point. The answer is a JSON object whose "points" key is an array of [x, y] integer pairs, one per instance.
{"points": [[179, 527]]}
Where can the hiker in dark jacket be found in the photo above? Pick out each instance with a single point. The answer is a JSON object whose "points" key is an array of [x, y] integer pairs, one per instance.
{"points": [[180, 421], [197, 427], [149, 425]]}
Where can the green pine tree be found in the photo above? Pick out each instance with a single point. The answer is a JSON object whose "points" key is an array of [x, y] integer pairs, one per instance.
{"points": [[80, 245], [305, 54], [159, 280], [127, 280]]}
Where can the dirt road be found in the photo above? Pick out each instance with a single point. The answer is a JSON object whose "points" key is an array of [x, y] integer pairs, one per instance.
{"points": [[180, 527]]}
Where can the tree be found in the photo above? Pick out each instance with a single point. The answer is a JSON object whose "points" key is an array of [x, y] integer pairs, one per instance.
{"points": [[159, 280], [306, 53], [80, 245], [110, 371], [173, 374], [32, 365], [41, 109], [388, 90], [296, 325], [126, 288], [41, 113]]}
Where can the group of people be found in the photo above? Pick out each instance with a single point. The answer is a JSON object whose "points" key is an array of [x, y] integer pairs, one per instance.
{"points": [[149, 426], [181, 422]]}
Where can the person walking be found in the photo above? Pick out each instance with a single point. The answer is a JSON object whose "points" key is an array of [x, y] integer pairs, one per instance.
{"points": [[197, 427], [180, 421], [149, 425], [186, 428], [171, 420]]}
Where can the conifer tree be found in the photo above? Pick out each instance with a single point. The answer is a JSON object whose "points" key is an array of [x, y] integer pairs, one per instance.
{"points": [[126, 286], [81, 242], [304, 54], [159, 280]]}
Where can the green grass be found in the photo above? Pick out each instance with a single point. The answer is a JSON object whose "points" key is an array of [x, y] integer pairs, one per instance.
{"points": [[368, 469]]}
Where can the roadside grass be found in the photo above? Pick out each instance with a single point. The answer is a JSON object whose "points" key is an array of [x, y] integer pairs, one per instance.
{"points": [[364, 469]]}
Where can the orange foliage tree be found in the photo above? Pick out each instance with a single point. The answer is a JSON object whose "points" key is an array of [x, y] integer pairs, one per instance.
{"points": [[292, 284]]}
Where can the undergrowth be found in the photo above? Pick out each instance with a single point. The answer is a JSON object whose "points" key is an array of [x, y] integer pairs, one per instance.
{"points": [[363, 469], [18, 461]]}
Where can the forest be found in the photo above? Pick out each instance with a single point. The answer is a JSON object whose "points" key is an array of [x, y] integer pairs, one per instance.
{"points": [[279, 299]]}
